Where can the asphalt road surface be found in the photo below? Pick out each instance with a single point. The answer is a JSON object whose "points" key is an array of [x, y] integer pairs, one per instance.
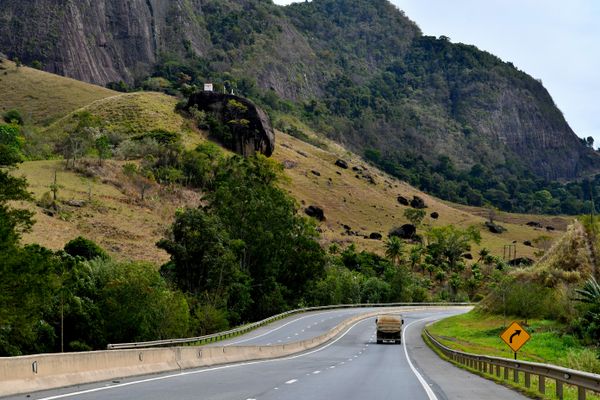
{"points": [[350, 367]]}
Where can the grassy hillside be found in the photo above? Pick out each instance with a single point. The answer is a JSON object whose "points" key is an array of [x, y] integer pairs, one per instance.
{"points": [[129, 114], [367, 207], [129, 229], [346, 199], [42, 97], [112, 215]]}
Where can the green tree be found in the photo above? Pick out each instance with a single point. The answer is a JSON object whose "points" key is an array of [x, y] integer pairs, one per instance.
{"points": [[84, 248], [447, 244], [416, 255], [280, 249], [394, 249], [79, 141], [134, 304], [12, 221], [414, 216], [103, 148]]}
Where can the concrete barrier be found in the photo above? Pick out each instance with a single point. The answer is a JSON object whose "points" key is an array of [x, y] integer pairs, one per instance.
{"points": [[27, 374]]}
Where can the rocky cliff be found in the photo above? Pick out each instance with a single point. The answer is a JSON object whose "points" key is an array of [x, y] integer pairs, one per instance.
{"points": [[248, 128], [99, 41], [360, 71]]}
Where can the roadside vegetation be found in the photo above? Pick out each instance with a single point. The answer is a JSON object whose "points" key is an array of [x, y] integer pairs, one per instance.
{"points": [[557, 301], [239, 250], [243, 253]]}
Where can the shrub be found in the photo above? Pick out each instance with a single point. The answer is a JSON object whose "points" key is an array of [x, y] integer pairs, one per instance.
{"points": [[85, 248], [136, 149], [13, 117]]}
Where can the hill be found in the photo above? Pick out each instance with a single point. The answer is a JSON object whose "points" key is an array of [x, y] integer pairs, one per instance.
{"points": [[41, 97], [103, 205], [130, 114], [129, 229], [359, 72], [363, 200], [349, 198], [353, 206]]}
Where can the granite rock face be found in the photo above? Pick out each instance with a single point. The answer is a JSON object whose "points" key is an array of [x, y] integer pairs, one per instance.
{"points": [[250, 126], [100, 41]]}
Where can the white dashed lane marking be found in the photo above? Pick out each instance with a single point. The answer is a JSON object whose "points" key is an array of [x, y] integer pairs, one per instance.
{"points": [[291, 381], [316, 372]]}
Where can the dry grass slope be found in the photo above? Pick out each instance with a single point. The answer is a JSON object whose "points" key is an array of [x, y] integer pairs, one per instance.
{"points": [[568, 261], [41, 97], [115, 218], [365, 207], [129, 229], [130, 114]]}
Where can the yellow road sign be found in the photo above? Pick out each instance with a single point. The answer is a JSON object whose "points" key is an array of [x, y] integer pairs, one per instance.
{"points": [[515, 336]]}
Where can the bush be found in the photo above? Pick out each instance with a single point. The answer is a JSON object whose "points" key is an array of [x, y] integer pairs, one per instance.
{"points": [[85, 248], [136, 149], [13, 117], [524, 300]]}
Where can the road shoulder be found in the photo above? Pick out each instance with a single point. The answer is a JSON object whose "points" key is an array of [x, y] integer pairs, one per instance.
{"points": [[447, 380]]}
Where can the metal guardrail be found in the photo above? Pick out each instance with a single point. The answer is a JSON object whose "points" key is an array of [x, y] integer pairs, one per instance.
{"points": [[246, 328], [584, 381]]}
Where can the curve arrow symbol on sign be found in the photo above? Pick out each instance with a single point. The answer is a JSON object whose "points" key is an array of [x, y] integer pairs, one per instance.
{"points": [[517, 333]]}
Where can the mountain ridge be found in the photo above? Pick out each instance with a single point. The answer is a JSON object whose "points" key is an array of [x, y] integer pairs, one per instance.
{"points": [[361, 72]]}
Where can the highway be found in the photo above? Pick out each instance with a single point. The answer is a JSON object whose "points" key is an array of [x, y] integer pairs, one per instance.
{"points": [[350, 367]]}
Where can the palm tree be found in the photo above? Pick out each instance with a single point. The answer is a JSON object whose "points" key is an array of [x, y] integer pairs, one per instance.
{"points": [[416, 253], [590, 293], [394, 248]]}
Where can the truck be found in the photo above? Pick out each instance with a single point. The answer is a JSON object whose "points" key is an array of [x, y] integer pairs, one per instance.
{"points": [[389, 329]]}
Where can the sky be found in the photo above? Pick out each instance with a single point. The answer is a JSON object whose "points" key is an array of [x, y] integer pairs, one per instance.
{"points": [[552, 40]]}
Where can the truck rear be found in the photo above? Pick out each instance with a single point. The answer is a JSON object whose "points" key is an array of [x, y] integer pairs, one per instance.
{"points": [[389, 329]]}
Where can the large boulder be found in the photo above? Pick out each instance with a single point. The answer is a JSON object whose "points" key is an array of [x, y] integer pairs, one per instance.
{"points": [[418, 202], [375, 236], [250, 127], [315, 212], [403, 200], [341, 163], [494, 228], [406, 231]]}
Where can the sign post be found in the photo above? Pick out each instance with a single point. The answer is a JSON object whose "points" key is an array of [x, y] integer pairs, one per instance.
{"points": [[515, 336]]}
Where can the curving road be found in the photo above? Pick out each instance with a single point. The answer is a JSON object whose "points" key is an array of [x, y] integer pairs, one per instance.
{"points": [[350, 367]]}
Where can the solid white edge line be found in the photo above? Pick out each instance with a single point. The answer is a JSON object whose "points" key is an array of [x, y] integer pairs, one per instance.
{"points": [[160, 378], [422, 380]]}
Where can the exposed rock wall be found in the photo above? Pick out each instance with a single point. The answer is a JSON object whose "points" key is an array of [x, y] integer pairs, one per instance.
{"points": [[249, 125], [98, 41]]}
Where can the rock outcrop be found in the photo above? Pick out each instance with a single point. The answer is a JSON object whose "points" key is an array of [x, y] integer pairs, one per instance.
{"points": [[406, 231], [250, 127], [100, 41], [418, 203], [315, 212]]}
